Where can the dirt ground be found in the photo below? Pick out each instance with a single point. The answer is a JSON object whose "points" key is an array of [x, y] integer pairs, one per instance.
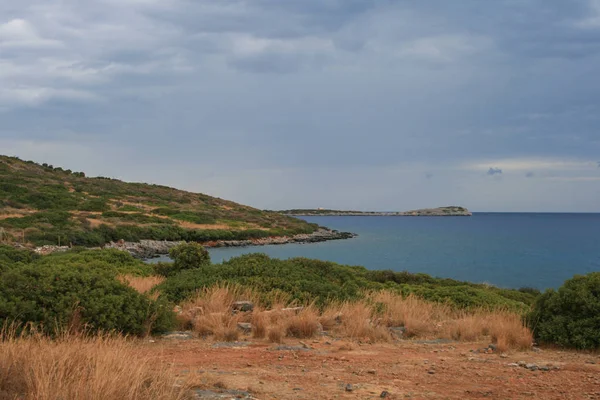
{"points": [[330, 369]]}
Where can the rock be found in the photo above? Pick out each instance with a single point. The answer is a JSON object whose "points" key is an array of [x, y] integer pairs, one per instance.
{"points": [[229, 345], [536, 349], [289, 348], [178, 335], [320, 330], [384, 394], [222, 394], [513, 365], [245, 327], [243, 306], [544, 368], [431, 372], [371, 371], [492, 347], [305, 345], [504, 355], [532, 367], [349, 388], [397, 331], [522, 363]]}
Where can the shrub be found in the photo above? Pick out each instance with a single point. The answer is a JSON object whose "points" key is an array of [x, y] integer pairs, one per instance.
{"points": [[56, 296], [95, 204], [188, 256], [570, 316], [9, 255]]}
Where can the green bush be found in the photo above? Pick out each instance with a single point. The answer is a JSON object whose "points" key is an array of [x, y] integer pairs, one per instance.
{"points": [[185, 256], [309, 280], [115, 262], [98, 204], [54, 296], [9, 255], [570, 316]]}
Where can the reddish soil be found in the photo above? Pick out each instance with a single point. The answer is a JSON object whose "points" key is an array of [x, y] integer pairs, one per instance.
{"points": [[404, 370]]}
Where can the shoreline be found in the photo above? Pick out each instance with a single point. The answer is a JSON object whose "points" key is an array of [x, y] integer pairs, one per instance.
{"points": [[145, 249]]}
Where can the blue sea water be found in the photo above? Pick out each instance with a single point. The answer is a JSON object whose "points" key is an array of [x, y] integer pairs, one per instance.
{"points": [[510, 250]]}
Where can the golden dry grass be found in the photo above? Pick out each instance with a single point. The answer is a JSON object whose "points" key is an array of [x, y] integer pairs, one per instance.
{"points": [[143, 284], [209, 313], [79, 367], [304, 324]]}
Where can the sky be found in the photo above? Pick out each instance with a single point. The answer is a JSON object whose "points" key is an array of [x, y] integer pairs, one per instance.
{"points": [[346, 104]]}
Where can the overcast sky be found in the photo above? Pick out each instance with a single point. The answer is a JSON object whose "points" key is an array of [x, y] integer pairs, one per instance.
{"points": [[353, 104]]}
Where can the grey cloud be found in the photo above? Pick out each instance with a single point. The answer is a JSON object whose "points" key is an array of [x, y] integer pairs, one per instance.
{"points": [[291, 87], [529, 175]]}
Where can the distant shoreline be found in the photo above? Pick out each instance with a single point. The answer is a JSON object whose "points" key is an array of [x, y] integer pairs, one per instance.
{"points": [[450, 211]]}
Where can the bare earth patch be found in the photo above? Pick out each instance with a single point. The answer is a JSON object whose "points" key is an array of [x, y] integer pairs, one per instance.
{"points": [[408, 369]]}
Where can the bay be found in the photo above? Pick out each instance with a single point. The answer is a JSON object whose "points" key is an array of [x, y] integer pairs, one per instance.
{"points": [[512, 250]]}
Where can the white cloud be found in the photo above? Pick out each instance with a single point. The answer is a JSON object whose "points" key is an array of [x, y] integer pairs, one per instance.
{"points": [[592, 21], [529, 164], [21, 34]]}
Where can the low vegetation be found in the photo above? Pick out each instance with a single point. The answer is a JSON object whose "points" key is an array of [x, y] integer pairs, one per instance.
{"points": [[321, 282], [63, 314], [43, 204], [35, 367], [570, 316]]}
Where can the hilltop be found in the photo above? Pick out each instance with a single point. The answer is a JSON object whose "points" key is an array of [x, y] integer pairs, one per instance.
{"points": [[448, 211], [42, 204]]}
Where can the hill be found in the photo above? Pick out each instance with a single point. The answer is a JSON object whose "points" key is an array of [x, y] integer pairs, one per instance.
{"points": [[43, 204], [448, 211]]}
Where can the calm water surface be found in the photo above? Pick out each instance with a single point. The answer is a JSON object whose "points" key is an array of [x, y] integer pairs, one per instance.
{"points": [[507, 250]]}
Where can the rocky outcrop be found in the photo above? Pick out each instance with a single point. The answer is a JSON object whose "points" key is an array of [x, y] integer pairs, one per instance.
{"points": [[152, 248], [144, 248]]}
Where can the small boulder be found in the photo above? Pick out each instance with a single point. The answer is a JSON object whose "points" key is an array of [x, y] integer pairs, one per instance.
{"points": [[532, 367], [245, 327], [243, 306], [349, 388], [384, 394]]}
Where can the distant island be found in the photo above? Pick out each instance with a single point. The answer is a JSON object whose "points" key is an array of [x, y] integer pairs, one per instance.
{"points": [[448, 211]]}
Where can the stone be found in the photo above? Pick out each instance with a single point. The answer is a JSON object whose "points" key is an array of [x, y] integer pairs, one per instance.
{"points": [[532, 367], [513, 365], [504, 355], [522, 363], [544, 368], [178, 335], [243, 306], [245, 327], [397, 331], [384, 394], [371, 371], [492, 347], [349, 388]]}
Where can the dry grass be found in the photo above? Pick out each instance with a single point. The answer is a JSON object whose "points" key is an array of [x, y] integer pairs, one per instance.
{"points": [[276, 333], [209, 313], [259, 325], [305, 324], [78, 367], [142, 284]]}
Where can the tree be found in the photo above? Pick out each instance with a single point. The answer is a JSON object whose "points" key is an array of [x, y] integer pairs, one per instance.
{"points": [[570, 316]]}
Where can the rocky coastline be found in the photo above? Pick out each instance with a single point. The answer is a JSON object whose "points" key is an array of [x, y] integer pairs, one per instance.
{"points": [[152, 248]]}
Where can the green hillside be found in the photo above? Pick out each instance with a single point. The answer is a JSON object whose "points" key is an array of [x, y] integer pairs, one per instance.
{"points": [[50, 205]]}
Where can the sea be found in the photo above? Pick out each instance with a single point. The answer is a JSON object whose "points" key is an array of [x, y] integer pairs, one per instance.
{"points": [[511, 250]]}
